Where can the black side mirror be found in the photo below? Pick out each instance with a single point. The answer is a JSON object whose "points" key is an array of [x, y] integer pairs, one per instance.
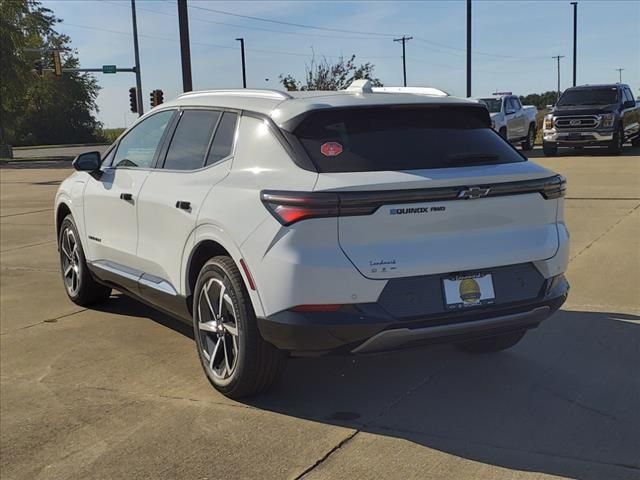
{"points": [[87, 162], [629, 104]]}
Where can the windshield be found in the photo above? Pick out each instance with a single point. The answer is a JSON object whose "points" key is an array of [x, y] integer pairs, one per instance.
{"points": [[493, 104], [589, 96], [401, 138]]}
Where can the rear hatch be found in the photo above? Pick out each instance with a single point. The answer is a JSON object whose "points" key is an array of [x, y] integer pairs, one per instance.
{"points": [[430, 189]]}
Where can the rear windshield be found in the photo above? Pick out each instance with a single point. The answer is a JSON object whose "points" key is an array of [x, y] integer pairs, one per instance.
{"points": [[493, 104], [589, 96], [402, 138]]}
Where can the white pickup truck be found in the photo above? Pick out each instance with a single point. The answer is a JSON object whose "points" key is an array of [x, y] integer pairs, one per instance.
{"points": [[512, 120]]}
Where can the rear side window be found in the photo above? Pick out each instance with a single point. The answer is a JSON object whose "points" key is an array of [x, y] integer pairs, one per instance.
{"points": [[191, 140], [402, 138], [223, 140]]}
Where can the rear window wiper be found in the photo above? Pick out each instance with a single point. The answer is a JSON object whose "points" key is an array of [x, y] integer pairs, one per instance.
{"points": [[472, 157]]}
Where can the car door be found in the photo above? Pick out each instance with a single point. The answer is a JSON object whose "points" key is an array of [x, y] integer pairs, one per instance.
{"points": [[631, 114], [196, 159], [516, 119], [111, 198]]}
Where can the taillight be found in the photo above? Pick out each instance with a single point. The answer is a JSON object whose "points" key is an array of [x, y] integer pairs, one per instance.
{"points": [[291, 207], [554, 187]]}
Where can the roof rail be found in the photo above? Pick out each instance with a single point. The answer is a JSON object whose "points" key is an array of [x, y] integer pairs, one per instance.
{"points": [[436, 92], [245, 92]]}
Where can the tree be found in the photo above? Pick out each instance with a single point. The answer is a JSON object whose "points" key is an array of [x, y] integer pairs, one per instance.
{"points": [[322, 75], [540, 100], [41, 109]]}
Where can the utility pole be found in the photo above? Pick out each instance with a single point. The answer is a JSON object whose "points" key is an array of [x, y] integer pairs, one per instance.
{"points": [[404, 40], [620, 73], [468, 48], [575, 40], [558, 57], [136, 54], [185, 52], [244, 72]]}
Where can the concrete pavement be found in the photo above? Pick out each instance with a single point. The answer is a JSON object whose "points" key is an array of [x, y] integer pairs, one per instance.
{"points": [[117, 392]]}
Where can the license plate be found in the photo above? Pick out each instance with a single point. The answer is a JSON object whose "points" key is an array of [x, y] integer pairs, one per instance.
{"points": [[464, 291], [575, 136]]}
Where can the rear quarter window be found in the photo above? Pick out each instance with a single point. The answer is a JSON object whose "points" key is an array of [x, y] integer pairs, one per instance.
{"points": [[402, 138]]}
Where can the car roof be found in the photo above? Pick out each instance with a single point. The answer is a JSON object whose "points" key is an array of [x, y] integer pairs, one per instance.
{"points": [[598, 86], [283, 106]]}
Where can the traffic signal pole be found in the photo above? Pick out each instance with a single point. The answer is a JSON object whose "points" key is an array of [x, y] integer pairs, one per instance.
{"points": [[185, 52], [468, 48], [575, 40], [137, 58]]}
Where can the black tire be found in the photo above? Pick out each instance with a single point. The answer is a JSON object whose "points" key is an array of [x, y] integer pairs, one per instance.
{"points": [[636, 141], [491, 344], [250, 364], [80, 286], [549, 150], [530, 140], [615, 147], [503, 133]]}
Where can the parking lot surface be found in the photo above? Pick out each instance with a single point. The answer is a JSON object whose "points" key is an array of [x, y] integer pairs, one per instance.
{"points": [[118, 392]]}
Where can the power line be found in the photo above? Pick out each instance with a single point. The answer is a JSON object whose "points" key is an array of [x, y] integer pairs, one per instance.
{"points": [[404, 40]]}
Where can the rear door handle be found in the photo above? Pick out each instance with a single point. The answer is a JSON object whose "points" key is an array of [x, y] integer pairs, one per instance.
{"points": [[183, 205], [126, 196]]}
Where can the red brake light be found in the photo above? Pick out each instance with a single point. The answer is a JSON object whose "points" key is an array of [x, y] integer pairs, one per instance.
{"points": [[291, 207]]}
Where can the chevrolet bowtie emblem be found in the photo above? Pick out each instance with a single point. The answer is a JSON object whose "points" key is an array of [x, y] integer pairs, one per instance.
{"points": [[474, 192]]}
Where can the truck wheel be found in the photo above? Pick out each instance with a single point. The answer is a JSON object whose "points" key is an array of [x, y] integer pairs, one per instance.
{"points": [[491, 344], [549, 150], [636, 141], [530, 140], [233, 354], [615, 147], [503, 133]]}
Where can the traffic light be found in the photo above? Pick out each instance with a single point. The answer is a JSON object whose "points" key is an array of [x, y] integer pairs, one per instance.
{"points": [[156, 98], [57, 64], [133, 100]]}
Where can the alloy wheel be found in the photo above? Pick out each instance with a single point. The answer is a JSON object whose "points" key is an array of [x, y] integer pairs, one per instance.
{"points": [[70, 259], [218, 330]]}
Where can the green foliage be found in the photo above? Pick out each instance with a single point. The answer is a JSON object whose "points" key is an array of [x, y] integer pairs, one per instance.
{"points": [[109, 135], [48, 109], [540, 100], [322, 75]]}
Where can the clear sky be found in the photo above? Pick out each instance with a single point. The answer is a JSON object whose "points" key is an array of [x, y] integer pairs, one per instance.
{"points": [[513, 42]]}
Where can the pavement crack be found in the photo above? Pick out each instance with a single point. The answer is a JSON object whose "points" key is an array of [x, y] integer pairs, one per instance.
{"points": [[29, 269], [47, 320], [590, 244], [26, 246], [327, 455], [25, 213]]}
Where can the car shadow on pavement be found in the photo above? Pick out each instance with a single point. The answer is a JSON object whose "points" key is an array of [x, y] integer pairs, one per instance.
{"points": [[49, 163], [627, 151], [565, 401]]}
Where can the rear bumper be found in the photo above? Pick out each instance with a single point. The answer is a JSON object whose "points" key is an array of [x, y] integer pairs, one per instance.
{"points": [[569, 139], [367, 328]]}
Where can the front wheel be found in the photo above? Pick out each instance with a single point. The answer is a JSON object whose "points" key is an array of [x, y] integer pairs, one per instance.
{"points": [[615, 147], [233, 354], [491, 344], [530, 140], [549, 150], [81, 288]]}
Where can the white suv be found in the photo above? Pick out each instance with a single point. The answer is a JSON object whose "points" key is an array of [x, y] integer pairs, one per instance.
{"points": [[308, 223]]}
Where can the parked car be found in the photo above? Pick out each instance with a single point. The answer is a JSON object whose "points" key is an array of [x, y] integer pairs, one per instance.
{"points": [[592, 115], [307, 223], [512, 120]]}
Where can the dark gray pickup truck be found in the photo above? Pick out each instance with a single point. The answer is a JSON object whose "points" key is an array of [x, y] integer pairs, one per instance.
{"points": [[592, 115]]}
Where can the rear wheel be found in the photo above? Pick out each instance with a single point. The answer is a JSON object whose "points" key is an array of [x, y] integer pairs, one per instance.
{"points": [[615, 147], [235, 358], [530, 140], [81, 288], [549, 150], [491, 344]]}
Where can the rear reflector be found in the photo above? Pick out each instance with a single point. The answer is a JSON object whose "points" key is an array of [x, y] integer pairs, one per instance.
{"points": [[247, 273], [317, 308]]}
